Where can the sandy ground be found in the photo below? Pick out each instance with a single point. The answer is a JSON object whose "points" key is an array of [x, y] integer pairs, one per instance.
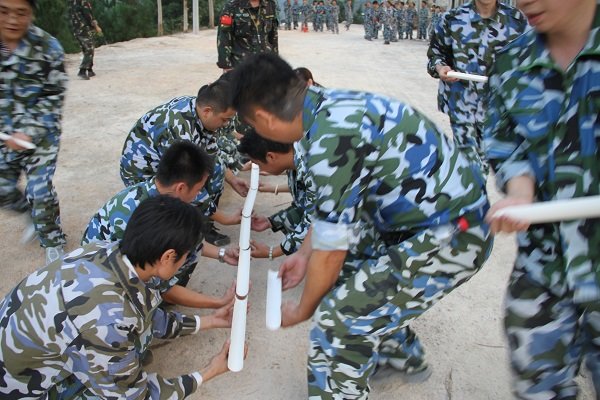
{"points": [[462, 334]]}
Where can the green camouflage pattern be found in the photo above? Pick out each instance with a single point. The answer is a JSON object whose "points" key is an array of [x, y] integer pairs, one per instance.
{"points": [[32, 88], [295, 220], [468, 43], [241, 32], [82, 28], [542, 121], [85, 320], [423, 22]]}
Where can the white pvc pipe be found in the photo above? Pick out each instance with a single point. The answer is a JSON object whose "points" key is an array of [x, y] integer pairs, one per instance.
{"points": [[249, 204], [245, 232], [273, 311], [242, 286], [254, 176], [20, 142], [554, 211], [235, 361], [467, 77]]}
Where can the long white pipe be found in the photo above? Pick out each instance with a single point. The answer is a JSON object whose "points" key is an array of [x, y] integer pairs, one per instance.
{"points": [[20, 142], [273, 310], [554, 211], [467, 77], [235, 362]]}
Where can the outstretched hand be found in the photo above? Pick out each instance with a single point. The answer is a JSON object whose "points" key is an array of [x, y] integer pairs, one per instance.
{"points": [[293, 270]]}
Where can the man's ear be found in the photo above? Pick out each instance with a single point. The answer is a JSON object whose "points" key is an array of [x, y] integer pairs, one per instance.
{"points": [[206, 111], [264, 116], [180, 187]]}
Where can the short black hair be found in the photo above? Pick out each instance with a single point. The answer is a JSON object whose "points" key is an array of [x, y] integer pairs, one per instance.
{"points": [[32, 3], [184, 161], [158, 224], [216, 95], [256, 147], [267, 81]]}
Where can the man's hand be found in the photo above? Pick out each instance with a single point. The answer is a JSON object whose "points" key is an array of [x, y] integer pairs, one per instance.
{"points": [[258, 249], [229, 296], [505, 223], [232, 255], [220, 318], [12, 144], [218, 365], [442, 71], [260, 223], [293, 270], [239, 185]]}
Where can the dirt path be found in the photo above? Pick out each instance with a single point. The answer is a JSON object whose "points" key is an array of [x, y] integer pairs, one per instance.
{"points": [[462, 334]]}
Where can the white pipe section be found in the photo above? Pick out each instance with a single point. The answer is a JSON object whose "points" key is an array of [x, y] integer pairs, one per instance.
{"points": [[554, 211], [242, 286], [20, 142], [235, 361], [273, 313], [245, 233], [467, 77], [254, 176], [249, 204]]}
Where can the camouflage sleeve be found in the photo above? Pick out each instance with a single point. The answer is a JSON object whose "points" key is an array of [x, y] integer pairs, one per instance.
{"points": [[225, 36], [294, 238], [440, 47], [505, 149], [170, 324], [44, 110], [114, 371]]}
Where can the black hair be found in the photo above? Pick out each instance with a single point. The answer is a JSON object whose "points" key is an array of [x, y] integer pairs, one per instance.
{"points": [[305, 74], [256, 147], [267, 81], [32, 3], [158, 224], [375, 2], [184, 162], [216, 95]]}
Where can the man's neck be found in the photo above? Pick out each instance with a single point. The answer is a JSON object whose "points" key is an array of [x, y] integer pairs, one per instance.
{"points": [[10, 44], [485, 10], [567, 40]]}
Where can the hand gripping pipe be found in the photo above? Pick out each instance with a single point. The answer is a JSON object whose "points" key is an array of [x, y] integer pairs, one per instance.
{"points": [[554, 211]]}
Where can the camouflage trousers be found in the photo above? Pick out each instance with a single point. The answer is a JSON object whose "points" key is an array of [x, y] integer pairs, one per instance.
{"points": [[387, 32], [469, 139], [408, 30], [401, 29], [422, 32], [368, 29], [550, 326], [363, 321], [86, 42], [295, 18], [39, 166]]}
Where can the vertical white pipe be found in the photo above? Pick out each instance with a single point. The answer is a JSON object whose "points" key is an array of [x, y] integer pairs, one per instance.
{"points": [[273, 309], [235, 362], [242, 286]]}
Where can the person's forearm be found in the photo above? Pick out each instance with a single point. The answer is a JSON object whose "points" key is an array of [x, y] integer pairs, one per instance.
{"points": [[229, 176], [306, 248], [210, 250], [522, 187], [323, 270], [222, 218], [189, 298]]}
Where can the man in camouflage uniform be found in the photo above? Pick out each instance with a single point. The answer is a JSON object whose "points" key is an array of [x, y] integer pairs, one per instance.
{"points": [[377, 19], [76, 328], [305, 15], [401, 19], [348, 14], [294, 221], [83, 25], [368, 20], [182, 172], [423, 20], [32, 87], [410, 13], [436, 16], [467, 40], [541, 138], [296, 9], [388, 20], [398, 222], [198, 119], [246, 27], [335, 17], [287, 12]]}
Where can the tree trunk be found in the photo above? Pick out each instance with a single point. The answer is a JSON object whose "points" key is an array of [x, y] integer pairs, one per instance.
{"points": [[185, 15], [211, 14], [160, 18]]}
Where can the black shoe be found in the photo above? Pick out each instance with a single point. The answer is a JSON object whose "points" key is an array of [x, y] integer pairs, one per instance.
{"points": [[83, 75], [216, 238], [91, 73], [386, 42]]}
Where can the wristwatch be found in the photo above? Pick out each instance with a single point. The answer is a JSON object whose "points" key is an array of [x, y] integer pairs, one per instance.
{"points": [[222, 254]]}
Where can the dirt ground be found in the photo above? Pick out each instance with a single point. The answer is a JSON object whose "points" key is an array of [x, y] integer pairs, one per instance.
{"points": [[462, 334]]}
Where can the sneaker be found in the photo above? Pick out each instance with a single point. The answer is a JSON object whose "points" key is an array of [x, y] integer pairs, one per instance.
{"points": [[411, 375], [386, 42], [91, 73], [53, 254], [216, 238], [83, 75]]}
